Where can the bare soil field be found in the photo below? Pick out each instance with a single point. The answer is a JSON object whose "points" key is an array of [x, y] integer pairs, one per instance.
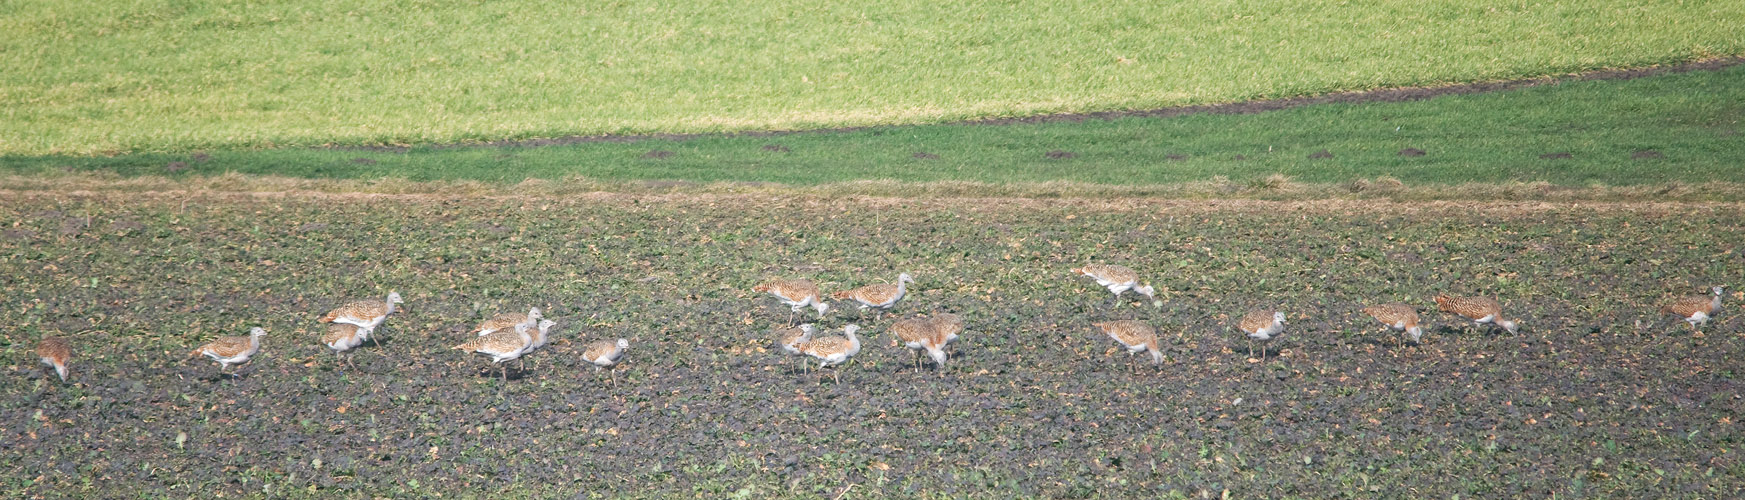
{"points": [[1598, 395]]}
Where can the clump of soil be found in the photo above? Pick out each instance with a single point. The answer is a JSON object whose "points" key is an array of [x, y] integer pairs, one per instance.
{"points": [[1646, 154], [1556, 156], [1060, 155], [923, 155], [176, 166], [776, 148], [658, 154], [363, 161], [1319, 155], [1412, 152], [1178, 157], [201, 157]]}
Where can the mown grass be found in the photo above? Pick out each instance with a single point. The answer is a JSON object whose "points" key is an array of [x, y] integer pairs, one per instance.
{"points": [[1681, 127], [1597, 397], [171, 75]]}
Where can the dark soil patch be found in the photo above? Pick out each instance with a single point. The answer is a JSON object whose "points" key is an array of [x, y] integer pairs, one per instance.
{"points": [[122, 226], [1412, 152], [1177, 157], [1320, 155], [200, 157], [1556, 156], [1059, 155], [1646, 155], [667, 184], [922, 155], [74, 225], [776, 148], [17, 234], [1239, 157], [363, 161], [176, 166], [1033, 402], [311, 227], [657, 155]]}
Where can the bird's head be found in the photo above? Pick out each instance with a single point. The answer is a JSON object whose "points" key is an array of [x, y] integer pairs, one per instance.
{"points": [[623, 344], [1278, 317], [257, 332]]}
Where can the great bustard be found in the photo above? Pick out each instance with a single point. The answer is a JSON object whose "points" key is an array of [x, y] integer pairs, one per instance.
{"points": [[368, 314], [1135, 336], [342, 338], [1263, 325], [508, 320], [790, 340], [921, 335], [833, 351], [504, 345], [880, 296], [1118, 279], [1398, 317], [231, 350], [1696, 309], [796, 294], [55, 352], [1481, 310], [604, 354]]}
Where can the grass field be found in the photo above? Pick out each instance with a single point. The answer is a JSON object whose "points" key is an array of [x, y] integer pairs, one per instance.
{"points": [[167, 75], [1681, 127], [1597, 397]]}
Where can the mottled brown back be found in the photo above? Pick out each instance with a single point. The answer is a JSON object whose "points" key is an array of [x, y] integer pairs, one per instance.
{"points": [[913, 330], [361, 309], [793, 290], [54, 349], [1256, 320], [1108, 272], [1393, 313], [1130, 332], [1469, 307]]}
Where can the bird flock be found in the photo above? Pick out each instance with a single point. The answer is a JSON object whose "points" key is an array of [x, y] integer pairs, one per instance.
{"points": [[512, 336]]}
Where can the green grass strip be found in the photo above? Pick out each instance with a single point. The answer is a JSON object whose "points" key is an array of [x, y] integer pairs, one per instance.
{"points": [[1681, 127], [181, 75]]}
